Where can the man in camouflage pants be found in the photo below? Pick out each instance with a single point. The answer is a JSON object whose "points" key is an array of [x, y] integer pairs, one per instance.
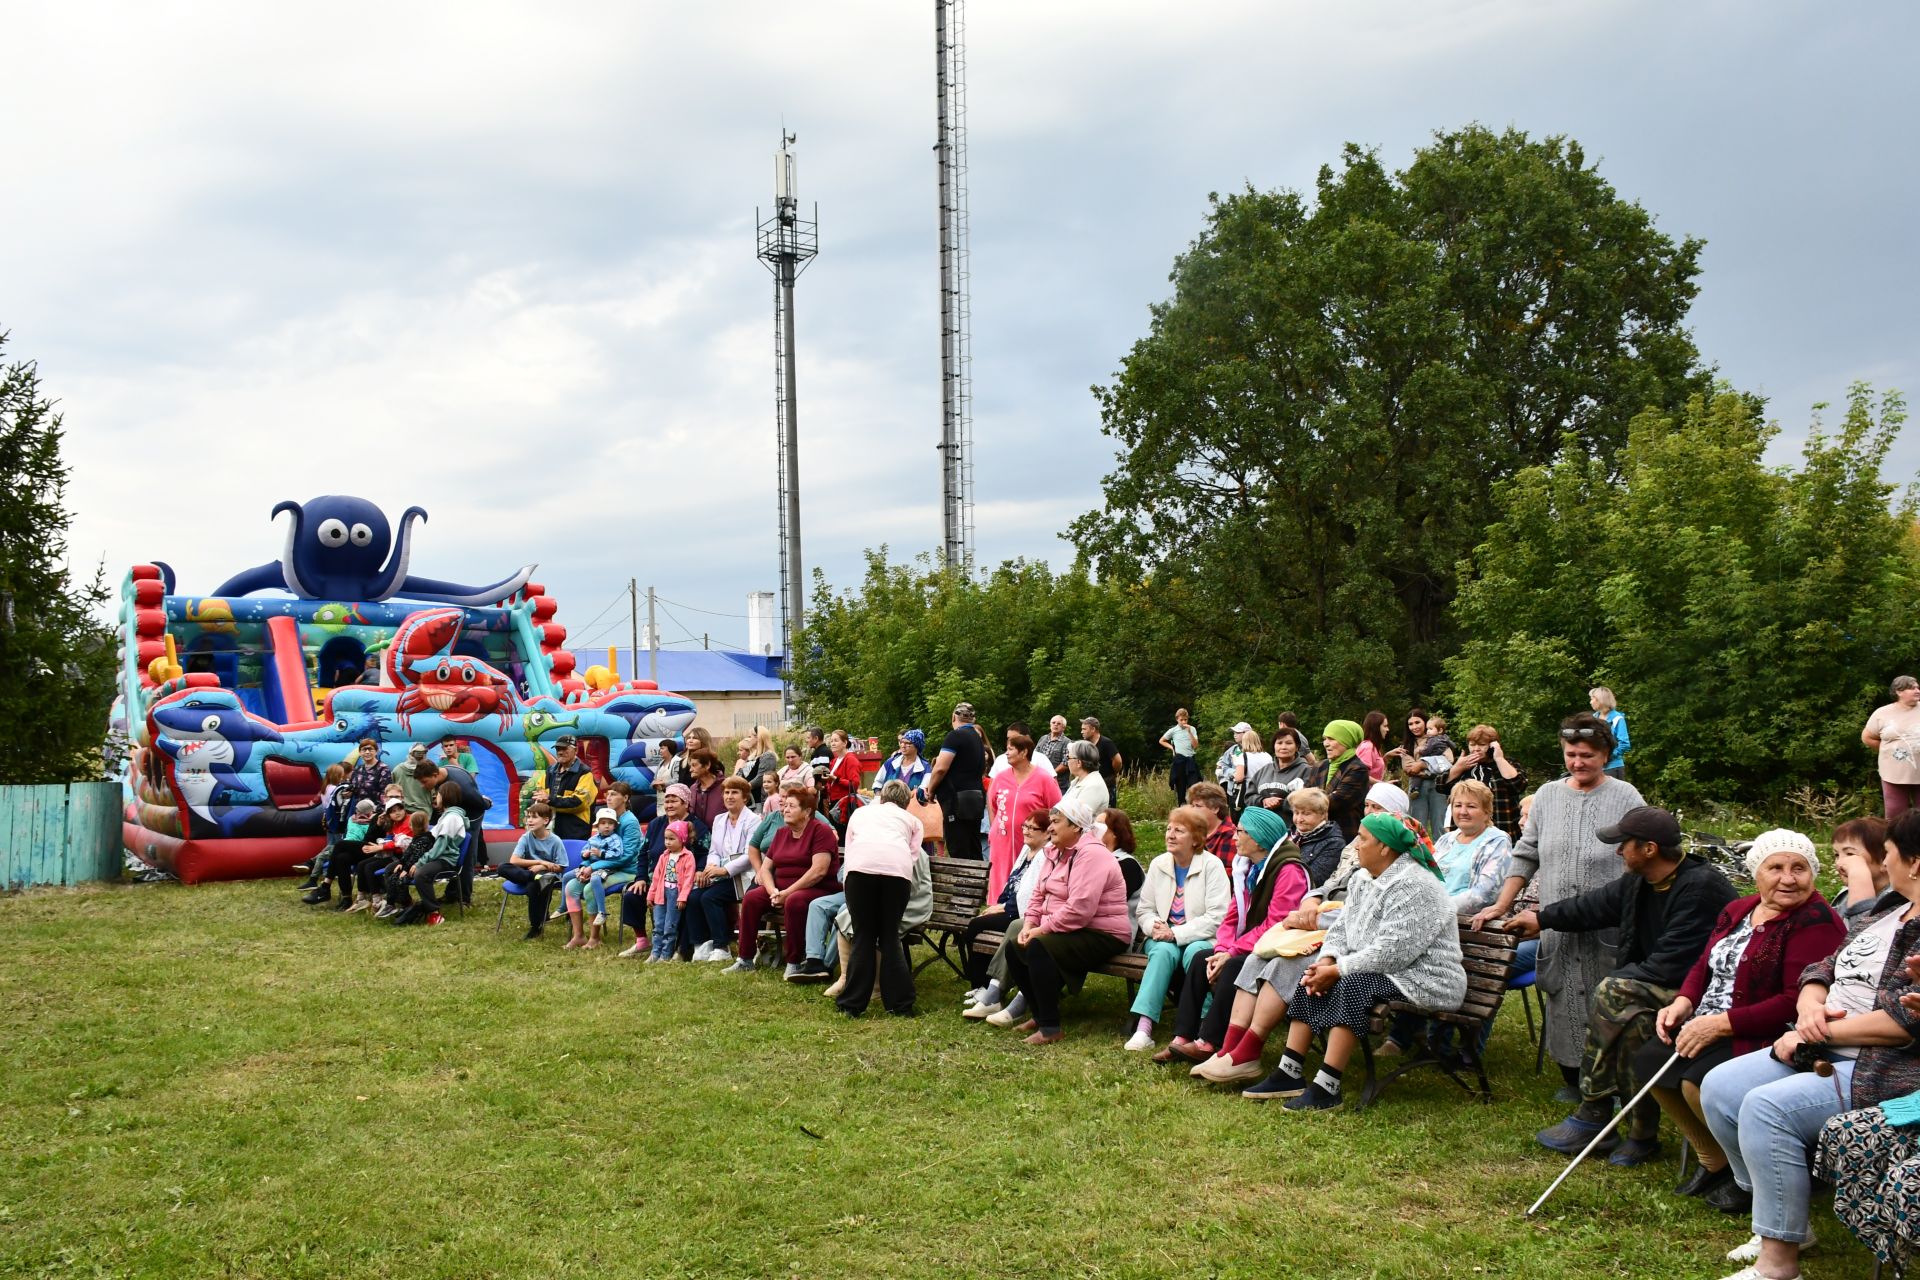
{"points": [[1663, 906]]}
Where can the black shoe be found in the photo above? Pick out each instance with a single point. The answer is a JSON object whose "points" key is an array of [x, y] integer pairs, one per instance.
{"points": [[812, 970], [905, 1011], [1703, 1180], [1314, 1099], [346, 900], [1571, 1136], [1635, 1151], [1277, 1085], [1727, 1197], [533, 932], [317, 896]]}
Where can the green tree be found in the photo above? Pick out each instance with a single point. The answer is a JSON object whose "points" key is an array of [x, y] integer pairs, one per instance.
{"points": [[1747, 617], [56, 657], [1314, 425]]}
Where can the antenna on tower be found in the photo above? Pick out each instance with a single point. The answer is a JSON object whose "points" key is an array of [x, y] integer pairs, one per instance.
{"points": [[786, 243], [956, 310]]}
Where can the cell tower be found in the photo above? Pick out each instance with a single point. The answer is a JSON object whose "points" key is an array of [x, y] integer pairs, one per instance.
{"points": [[956, 312], [786, 244]]}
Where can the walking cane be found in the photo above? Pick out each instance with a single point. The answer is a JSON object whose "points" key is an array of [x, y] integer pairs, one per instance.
{"points": [[1600, 1136]]}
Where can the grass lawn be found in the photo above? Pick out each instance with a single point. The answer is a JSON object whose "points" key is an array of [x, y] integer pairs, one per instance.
{"points": [[217, 1081]]}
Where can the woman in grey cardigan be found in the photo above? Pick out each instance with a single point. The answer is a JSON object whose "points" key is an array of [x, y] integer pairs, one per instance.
{"points": [[1560, 848], [1396, 939]]}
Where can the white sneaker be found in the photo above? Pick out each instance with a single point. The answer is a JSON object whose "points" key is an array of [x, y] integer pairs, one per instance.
{"points": [[631, 952], [982, 1010], [703, 952], [1001, 1018], [600, 920], [1750, 1251], [1753, 1273], [1139, 1042], [740, 966], [720, 954]]}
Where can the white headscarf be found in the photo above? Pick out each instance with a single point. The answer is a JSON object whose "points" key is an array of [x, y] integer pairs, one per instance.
{"points": [[1388, 797], [1781, 840]]}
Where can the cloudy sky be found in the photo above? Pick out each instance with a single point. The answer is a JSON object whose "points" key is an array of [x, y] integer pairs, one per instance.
{"points": [[497, 259]]}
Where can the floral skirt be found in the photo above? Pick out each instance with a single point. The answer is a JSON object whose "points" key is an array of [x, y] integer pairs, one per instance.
{"points": [[1875, 1170]]}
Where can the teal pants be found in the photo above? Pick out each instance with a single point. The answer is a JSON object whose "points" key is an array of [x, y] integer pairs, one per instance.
{"points": [[1165, 962]]}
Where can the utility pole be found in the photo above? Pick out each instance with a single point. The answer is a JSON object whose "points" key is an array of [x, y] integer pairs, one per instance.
{"points": [[787, 243], [633, 609], [653, 642]]}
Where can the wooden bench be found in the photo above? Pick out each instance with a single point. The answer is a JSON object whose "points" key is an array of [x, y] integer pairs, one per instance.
{"points": [[1488, 959], [959, 891]]}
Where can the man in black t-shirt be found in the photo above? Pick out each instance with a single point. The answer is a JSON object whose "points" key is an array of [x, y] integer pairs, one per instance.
{"points": [[1110, 758], [958, 782]]}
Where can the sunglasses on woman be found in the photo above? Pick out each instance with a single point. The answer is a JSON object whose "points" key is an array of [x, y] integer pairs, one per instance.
{"points": [[1585, 733]]}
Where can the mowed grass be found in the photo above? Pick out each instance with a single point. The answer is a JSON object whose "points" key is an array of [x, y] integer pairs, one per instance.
{"points": [[215, 1081]]}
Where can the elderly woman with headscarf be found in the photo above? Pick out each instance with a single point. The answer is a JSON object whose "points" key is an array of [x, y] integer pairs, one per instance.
{"points": [[1397, 939], [1014, 794], [1076, 922], [1561, 855], [1740, 994], [1856, 1010], [1084, 781], [1267, 881], [1343, 776], [908, 763]]}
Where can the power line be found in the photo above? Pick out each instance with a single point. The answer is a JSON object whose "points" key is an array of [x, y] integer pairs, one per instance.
{"points": [[694, 608], [603, 612]]}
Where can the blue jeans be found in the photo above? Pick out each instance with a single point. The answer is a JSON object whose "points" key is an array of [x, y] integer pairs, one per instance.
{"points": [[821, 914], [666, 925], [1766, 1117], [1165, 962]]}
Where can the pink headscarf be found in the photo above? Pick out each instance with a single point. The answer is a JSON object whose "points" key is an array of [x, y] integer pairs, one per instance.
{"points": [[684, 792]]}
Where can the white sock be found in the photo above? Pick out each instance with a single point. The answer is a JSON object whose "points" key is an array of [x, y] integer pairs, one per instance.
{"points": [[1327, 1081]]}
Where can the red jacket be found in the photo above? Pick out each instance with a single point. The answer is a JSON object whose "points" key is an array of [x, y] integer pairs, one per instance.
{"points": [[1766, 986]]}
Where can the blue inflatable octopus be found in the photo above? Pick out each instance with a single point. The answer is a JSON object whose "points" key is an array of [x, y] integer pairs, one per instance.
{"points": [[337, 550]]}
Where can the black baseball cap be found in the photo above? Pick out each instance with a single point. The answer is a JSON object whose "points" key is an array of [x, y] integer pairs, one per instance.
{"points": [[1645, 822], [565, 740]]}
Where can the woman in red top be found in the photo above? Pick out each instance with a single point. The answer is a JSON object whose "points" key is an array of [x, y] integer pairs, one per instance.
{"points": [[843, 779], [1742, 992], [802, 862], [705, 776]]}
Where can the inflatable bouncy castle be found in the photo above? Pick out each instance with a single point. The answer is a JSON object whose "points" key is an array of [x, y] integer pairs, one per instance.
{"points": [[235, 704]]}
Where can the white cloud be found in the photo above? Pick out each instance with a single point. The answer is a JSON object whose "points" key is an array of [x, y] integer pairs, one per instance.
{"points": [[497, 260]]}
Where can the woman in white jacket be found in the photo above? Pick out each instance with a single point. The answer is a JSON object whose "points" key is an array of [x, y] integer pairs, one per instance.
{"points": [[1182, 905]]}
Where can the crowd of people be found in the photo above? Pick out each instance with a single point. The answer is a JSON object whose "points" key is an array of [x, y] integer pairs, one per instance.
{"points": [[1303, 884]]}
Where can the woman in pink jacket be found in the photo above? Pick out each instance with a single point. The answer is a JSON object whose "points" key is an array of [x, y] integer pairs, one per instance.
{"points": [[1269, 879], [1076, 922]]}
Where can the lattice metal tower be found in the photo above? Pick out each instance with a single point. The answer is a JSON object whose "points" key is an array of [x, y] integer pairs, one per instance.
{"points": [[956, 313], [786, 244]]}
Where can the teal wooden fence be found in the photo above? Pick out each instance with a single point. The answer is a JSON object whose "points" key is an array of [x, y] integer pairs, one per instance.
{"points": [[59, 834]]}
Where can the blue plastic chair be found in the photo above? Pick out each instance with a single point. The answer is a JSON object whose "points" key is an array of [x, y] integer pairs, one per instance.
{"points": [[1523, 983], [508, 889]]}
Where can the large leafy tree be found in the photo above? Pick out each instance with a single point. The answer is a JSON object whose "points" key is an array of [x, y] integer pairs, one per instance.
{"points": [[56, 656], [1314, 425], [1748, 617]]}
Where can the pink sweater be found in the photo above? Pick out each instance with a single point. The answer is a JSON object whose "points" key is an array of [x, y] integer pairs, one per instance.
{"points": [[1081, 889], [682, 872], [1289, 886]]}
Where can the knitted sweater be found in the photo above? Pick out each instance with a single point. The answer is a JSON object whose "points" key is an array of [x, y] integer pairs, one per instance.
{"points": [[1401, 926]]}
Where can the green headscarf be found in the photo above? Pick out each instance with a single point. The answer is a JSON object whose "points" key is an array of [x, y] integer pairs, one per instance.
{"points": [[1399, 837], [1348, 734]]}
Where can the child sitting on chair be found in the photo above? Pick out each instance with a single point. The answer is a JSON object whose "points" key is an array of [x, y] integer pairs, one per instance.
{"points": [[606, 861], [394, 871], [386, 839], [536, 864], [672, 882], [333, 822]]}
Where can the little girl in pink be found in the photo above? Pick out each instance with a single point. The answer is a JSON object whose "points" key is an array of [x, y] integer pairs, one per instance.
{"points": [[672, 882]]}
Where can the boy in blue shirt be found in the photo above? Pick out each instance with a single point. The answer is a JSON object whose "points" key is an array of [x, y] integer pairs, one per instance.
{"points": [[536, 865]]}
